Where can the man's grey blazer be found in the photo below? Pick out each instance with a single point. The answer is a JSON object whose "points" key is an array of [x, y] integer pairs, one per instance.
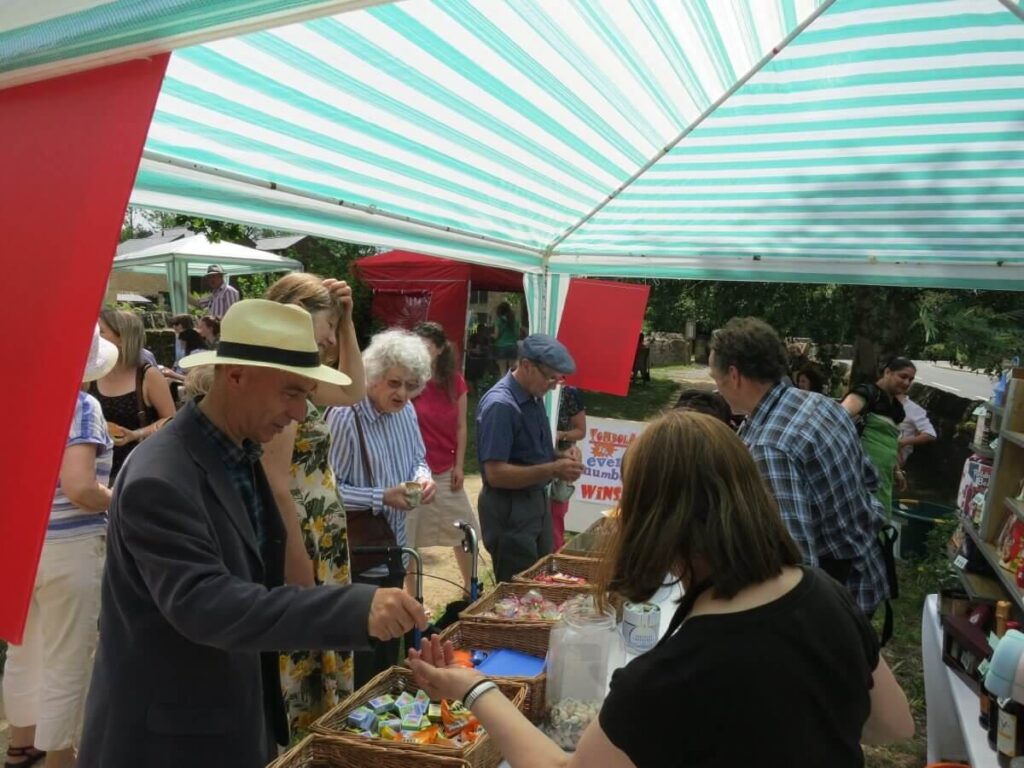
{"points": [[192, 616]]}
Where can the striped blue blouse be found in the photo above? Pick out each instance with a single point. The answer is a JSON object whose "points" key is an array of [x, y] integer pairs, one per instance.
{"points": [[88, 427], [396, 454]]}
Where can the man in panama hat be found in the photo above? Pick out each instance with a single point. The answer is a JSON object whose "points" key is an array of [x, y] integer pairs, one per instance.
{"points": [[194, 612]]}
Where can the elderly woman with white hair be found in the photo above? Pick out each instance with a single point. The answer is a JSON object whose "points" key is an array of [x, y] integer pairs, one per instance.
{"points": [[380, 467]]}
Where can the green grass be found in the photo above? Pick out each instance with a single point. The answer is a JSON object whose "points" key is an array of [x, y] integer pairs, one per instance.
{"points": [[917, 579]]}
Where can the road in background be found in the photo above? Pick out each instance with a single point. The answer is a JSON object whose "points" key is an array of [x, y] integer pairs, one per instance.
{"points": [[962, 382]]}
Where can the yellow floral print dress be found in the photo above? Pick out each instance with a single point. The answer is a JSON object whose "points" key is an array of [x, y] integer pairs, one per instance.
{"points": [[314, 681]]}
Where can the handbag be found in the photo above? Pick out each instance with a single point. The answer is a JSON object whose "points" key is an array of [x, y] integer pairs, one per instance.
{"points": [[365, 529]]}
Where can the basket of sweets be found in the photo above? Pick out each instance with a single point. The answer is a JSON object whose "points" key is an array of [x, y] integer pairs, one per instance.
{"points": [[528, 638], [391, 714], [521, 603], [322, 751], [594, 540], [561, 571]]}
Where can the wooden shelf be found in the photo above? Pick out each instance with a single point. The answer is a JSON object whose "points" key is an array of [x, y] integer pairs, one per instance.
{"points": [[1017, 507], [992, 557], [1017, 438], [980, 587], [982, 450]]}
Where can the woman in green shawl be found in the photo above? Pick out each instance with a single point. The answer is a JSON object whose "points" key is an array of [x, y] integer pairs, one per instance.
{"points": [[878, 408]]}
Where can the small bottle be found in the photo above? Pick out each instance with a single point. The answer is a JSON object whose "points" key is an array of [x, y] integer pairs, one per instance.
{"points": [[1002, 616], [1010, 737]]}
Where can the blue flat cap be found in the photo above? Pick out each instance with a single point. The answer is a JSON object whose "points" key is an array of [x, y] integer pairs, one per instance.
{"points": [[547, 350]]}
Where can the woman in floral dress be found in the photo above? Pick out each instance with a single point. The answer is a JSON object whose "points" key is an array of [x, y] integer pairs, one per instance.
{"points": [[303, 484]]}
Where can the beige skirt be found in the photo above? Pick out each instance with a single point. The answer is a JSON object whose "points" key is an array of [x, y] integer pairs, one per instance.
{"points": [[433, 525]]}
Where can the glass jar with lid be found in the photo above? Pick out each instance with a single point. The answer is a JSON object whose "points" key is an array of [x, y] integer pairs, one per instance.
{"points": [[585, 648]]}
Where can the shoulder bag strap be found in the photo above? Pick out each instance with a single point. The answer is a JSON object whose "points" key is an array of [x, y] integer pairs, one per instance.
{"points": [[140, 402], [362, 445]]}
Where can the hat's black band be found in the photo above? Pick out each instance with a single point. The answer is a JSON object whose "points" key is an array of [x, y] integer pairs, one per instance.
{"points": [[261, 354]]}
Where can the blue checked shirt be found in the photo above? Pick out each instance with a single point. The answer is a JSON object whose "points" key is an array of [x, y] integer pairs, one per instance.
{"points": [[396, 453], [807, 448], [241, 465]]}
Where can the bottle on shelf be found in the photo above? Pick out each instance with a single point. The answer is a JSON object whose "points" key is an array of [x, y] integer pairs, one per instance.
{"points": [[1002, 618], [1010, 713]]}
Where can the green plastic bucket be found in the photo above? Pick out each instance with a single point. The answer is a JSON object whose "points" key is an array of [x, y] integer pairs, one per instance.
{"points": [[916, 519]]}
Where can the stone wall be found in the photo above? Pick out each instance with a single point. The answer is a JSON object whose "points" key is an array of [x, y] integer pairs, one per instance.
{"points": [[669, 348]]}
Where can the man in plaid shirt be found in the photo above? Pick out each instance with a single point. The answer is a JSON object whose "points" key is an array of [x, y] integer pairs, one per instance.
{"points": [[808, 450]]}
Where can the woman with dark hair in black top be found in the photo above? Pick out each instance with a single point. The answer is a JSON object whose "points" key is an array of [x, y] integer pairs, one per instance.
{"points": [[765, 662], [879, 413]]}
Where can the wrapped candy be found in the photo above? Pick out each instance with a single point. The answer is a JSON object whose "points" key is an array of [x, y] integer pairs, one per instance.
{"points": [[560, 579], [421, 721], [363, 718], [381, 704], [532, 606], [413, 722]]}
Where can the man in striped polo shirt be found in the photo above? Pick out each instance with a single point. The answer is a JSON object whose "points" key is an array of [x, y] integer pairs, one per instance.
{"points": [[221, 295]]}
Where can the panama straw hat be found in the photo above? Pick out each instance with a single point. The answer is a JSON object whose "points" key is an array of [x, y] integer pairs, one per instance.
{"points": [[267, 334], [102, 357]]}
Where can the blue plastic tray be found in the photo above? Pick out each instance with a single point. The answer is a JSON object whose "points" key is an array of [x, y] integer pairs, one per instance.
{"points": [[508, 663]]}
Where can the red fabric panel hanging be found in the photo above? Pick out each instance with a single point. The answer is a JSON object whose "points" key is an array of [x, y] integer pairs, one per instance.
{"points": [[447, 281], [416, 300], [600, 326], [69, 154]]}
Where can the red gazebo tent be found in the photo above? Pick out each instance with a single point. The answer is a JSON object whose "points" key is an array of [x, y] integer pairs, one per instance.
{"points": [[410, 287]]}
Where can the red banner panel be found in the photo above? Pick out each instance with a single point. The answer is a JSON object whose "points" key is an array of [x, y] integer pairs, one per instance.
{"points": [[69, 151], [600, 326]]}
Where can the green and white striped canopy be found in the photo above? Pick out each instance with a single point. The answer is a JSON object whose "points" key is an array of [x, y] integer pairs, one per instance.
{"points": [[860, 141]]}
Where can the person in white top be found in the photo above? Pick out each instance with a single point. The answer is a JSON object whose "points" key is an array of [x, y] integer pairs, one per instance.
{"points": [[47, 674], [915, 429]]}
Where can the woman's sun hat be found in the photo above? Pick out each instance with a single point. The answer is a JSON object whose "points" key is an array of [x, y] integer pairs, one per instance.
{"points": [[102, 357], [267, 334]]}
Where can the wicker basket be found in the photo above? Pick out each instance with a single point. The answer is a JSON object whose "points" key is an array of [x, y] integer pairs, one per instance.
{"points": [[594, 540], [526, 638], [482, 753], [486, 603], [586, 567], [320, 751]]}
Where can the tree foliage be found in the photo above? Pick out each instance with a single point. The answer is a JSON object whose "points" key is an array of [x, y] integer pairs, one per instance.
{"points": [[978, 329]]}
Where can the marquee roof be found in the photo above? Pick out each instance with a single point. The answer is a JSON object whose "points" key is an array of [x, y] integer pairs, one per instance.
{"points": [[863, 141]]}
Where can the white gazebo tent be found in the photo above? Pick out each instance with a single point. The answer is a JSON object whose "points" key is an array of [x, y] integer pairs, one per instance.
{"points": [[190, 256]]}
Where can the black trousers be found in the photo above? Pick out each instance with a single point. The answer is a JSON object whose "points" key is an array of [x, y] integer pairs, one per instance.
{"points": [[384, 654]]}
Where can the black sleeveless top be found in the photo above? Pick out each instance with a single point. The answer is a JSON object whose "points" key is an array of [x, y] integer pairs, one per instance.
{"points": [[123, 410]]}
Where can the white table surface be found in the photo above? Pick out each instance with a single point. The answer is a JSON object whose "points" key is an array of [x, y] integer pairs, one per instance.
{"points": [[665, 598], [952, 708]]}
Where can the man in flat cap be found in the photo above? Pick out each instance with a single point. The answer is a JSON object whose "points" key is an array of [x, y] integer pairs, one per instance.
{"points": [[221, 296], [518, 457]]}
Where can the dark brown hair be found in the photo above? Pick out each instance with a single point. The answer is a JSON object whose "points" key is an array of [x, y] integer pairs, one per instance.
{"points": [[690, 489], [444, 365], [185, 321], [814, 375], [213, 322], [711, 403], [752, 347]]}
